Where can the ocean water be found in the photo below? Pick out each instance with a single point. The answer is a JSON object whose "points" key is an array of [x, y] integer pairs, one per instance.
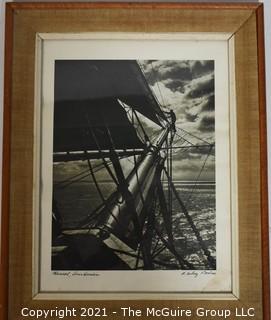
{"points": [[78, 200], [201, 203]]}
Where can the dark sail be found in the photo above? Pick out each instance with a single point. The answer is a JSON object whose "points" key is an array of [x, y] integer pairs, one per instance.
{"points": [[87, 95], [82, 125]]}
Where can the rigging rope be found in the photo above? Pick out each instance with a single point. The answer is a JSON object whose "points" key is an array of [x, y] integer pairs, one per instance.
{"points": [[138, 183], [172, 133], [90, 131], [103, 159], [157, 82], [210, 259], [193, 135], [100, 192], [194, 187], [65, 183], [141, 126], [182, 262], [182, 137], [159, 250]]}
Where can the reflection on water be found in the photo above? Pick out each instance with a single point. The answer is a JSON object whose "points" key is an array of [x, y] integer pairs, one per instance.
{"points": [[77, 201], [200, 203]]}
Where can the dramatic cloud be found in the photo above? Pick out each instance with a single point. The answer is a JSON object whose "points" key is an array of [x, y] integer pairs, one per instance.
{"points": [[202, 67], [176, 74], [201, 87], [207, 124], [209, 103], [190, 117], [188, 88]]}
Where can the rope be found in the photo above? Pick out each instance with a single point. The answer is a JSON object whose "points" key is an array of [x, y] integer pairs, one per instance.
{"points": [[141, 126], [155, 248], [191, 134], [65, 183], [194, 187], [139, 184], [158, 251], [90, 131], [210, 259], [182, 262], [170, 169], [182, 137], [100, 192], [103, 159], [162, 98]]}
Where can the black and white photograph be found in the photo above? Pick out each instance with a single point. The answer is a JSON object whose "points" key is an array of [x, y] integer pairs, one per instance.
{"points": [[135, 161], [134, 165]]}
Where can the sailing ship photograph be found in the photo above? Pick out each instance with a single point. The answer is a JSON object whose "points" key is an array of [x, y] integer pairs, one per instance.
{"points": [[134, 184]]}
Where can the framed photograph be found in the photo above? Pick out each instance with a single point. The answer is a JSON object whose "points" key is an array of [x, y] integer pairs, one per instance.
{"points": [[135, 171]]}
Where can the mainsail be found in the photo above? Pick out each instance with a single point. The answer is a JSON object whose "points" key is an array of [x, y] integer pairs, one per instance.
{"points": [[99, 112]]}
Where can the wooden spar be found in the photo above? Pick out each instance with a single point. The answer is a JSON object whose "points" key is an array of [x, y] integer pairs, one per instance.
{"points": [[74, 156], [139, 184]]}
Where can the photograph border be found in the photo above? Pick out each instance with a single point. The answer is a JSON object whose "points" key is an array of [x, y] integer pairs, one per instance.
{"points": [[118, 43], [13, 19]]}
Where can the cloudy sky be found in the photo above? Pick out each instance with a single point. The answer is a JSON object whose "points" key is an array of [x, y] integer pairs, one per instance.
{"points": [[187, 87]]}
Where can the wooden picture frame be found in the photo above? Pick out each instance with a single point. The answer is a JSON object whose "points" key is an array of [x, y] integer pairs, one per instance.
{"points": [[244, 23]]}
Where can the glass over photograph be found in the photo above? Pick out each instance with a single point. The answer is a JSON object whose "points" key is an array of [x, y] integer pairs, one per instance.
{"points": [[134, 184]]}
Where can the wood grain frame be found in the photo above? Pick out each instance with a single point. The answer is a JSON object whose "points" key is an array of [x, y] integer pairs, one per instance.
{"points": [[23, 20]]}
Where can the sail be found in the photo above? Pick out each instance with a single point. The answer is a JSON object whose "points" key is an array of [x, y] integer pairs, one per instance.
{"points": [[84, 125], [87, 94]]}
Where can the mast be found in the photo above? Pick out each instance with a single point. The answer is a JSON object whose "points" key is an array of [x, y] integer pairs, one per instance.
{"points": [[137, 186], [96, 126]]}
